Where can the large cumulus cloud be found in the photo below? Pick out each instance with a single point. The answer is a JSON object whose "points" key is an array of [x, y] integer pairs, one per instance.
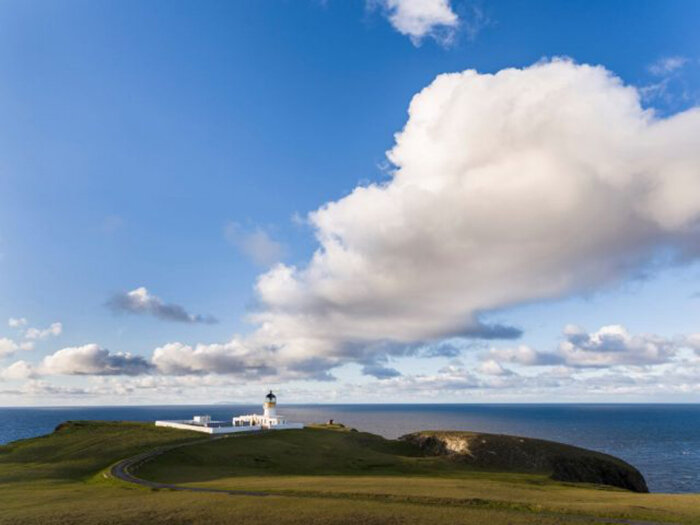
{"points": [[521, 186]]}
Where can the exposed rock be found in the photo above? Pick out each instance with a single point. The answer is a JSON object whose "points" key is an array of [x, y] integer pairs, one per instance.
{"points": [[70, 425], [517, 454], [64, 426]]}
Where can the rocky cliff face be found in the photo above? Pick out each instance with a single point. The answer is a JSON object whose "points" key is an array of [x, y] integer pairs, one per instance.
{"points": [[517, 454]]}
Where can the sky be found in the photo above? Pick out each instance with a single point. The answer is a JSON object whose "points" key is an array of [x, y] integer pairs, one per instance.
{"points": [[349, 201]]}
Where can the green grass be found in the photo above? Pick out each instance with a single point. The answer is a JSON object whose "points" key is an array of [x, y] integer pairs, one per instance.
{"points": [[82, 448], [317, 475], [318, 462], [312, 451]]}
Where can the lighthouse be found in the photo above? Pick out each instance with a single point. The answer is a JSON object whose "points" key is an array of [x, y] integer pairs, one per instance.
{"points": [[269, 420], [270, 405]]}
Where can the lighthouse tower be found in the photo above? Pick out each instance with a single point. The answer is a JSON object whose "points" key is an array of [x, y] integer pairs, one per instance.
{"points": [[270, 405], [248, 423]]}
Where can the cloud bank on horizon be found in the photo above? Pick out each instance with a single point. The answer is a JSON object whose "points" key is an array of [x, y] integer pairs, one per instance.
{"points": [[609, 346]]}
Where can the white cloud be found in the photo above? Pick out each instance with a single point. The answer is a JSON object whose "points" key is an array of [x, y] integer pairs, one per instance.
{"points": [[7, 347], [202, 386], [238, 358], [140, 301], [656, 380], [227, 358], [420, 18], [91, 359], [38, 387], [52, 331], [671, 87], [257, 244], [673, 380], [30, 335], [18, 370], [492, 368], [520, 186], [610, 346], [678, 379], [691, 341], [452, 379], [613, 345], [522, 355], [665, 66], [14, 322]]}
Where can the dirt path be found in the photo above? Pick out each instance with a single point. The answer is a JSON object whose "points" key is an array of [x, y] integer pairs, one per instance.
{"points": [[124, 470]]}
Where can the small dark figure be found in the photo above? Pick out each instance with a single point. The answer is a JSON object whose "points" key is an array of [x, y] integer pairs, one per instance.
{"points": [[330, 421]]}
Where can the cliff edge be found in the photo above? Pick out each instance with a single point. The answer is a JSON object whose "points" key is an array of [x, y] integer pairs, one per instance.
{"points": [[518, 454]]}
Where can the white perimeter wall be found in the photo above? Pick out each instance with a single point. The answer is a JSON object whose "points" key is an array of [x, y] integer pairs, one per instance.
{"points": [[207, 430], [185, 425], [284, 426]]}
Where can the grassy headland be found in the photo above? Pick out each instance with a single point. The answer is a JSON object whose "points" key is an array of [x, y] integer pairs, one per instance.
{"points": [[316, 475]]}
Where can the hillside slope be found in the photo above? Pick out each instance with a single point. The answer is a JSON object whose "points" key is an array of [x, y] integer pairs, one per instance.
{"points": [[316, 475], [518, 454], [77, 450]]}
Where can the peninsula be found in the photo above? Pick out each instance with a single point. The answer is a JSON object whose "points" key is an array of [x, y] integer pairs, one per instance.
{"points": [[121, 472]]}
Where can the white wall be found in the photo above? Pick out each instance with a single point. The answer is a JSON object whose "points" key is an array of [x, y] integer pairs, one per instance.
{"points": [[183, 425]]}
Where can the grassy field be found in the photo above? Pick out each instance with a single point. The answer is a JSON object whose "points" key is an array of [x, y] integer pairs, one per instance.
{"points": [[312, 476], [81, 449]]}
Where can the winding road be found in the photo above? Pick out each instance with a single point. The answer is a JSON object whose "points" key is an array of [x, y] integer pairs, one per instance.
{"points": [[124, 470]]}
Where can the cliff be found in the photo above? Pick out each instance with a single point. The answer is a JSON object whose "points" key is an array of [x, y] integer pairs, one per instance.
{"points": [[517, 454]]}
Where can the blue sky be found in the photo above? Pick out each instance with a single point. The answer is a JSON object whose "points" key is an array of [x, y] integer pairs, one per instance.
{"points": [[179, 146]]}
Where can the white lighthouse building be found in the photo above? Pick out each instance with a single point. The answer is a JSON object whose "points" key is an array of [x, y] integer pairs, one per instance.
{"points": [[268, 420]]}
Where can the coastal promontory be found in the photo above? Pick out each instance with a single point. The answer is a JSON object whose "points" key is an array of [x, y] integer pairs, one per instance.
{"points": [[498, 452], [118, 473]]}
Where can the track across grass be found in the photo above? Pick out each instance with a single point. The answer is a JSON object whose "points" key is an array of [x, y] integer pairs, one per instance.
{"points": [[124, 470]]}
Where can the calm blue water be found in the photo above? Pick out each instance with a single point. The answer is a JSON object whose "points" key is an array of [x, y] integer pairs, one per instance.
{"points": [[663, 441]]}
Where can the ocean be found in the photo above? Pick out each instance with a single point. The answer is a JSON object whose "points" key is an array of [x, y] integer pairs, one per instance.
{"points": [[662, 441]]}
